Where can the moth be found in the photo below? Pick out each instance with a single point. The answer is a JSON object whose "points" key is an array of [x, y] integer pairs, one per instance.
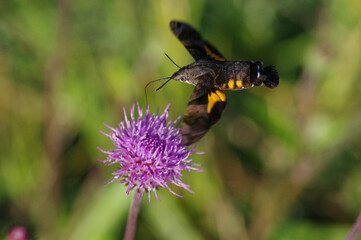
{"points": [[211, 74]]}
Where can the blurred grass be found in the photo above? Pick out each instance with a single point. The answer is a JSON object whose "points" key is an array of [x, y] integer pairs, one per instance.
{"points": [[281, 163]]}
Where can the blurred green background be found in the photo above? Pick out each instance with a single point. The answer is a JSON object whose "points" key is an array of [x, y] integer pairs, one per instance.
{"points": [[282, 163]]}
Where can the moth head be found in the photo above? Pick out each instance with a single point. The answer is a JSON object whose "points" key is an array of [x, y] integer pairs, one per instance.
{"points": [[182, 75]]}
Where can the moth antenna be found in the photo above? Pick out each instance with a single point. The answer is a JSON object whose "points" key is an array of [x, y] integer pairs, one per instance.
{"points": [[171, 60], [145, 88], [163, 84]]}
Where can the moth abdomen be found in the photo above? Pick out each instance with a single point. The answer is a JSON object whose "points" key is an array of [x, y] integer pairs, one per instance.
{"points": [[235, 75], [239, 75], [269, 76]]}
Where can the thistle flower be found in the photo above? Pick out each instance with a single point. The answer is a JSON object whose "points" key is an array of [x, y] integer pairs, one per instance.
{"points": [[17, 233], [149, 152]]}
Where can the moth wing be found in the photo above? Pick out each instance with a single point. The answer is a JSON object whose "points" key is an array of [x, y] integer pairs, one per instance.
{"points": [[194, 43], [212, 52], [204, 109]]}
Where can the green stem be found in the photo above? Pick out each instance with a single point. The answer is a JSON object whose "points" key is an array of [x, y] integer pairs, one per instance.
{"points": [[356, 229], [132, 217]]}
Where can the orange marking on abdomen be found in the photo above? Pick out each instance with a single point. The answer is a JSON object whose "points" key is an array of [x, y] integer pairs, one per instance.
{"points": [[239, 84], [232, 85]]}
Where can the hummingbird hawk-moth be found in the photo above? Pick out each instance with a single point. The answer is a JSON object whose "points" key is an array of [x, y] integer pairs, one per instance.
{"points": [[211, 74]]}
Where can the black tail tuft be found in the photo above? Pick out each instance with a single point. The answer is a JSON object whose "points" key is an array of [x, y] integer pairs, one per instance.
{"points": [[269, 76]]}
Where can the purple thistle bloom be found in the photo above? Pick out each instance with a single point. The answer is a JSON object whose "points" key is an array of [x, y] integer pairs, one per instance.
{"points": [[149, 152]]}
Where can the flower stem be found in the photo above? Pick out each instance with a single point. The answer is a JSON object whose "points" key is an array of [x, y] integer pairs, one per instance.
{"points": [[132, 217], [356, 229]]}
